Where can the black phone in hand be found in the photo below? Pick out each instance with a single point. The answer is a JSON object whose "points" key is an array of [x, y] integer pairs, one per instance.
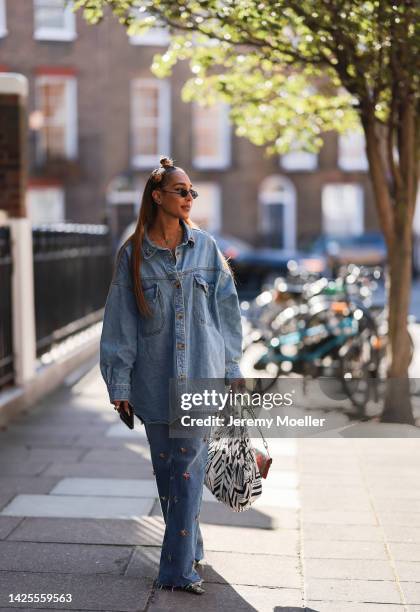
{"points": [[128, 419]]}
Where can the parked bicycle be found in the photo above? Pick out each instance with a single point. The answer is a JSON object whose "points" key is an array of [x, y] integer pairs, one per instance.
{"points": [[320, 328]]}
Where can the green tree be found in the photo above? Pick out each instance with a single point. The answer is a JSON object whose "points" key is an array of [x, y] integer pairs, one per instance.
{"points": [[293, 69]]}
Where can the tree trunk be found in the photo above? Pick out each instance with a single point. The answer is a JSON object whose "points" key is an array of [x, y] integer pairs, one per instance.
{"points": [[397, 406], [395, 208]]}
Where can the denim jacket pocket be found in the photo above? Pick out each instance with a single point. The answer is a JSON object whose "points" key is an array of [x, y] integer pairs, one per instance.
{"points": [[153, 324], [202, 294]]}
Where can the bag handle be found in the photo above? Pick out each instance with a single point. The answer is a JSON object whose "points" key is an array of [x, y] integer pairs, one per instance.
{"points": [[251, 410]]}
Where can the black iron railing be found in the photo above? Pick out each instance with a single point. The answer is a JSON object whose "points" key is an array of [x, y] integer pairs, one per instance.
{"points": [[6, 336], [72, 272]]}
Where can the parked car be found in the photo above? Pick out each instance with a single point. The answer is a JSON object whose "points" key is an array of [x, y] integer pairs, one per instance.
{"points": [[367, 249], [231, 246], [255, 267], [261, 266]]}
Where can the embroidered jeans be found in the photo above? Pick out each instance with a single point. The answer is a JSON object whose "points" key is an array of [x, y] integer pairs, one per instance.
{"points": [[179, 466]]}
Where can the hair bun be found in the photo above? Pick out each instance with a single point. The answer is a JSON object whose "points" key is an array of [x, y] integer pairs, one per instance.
{"points": [[166, 162]]}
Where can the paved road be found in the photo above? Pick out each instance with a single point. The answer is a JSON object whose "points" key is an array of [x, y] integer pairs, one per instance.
{"points": [[336, 530]]}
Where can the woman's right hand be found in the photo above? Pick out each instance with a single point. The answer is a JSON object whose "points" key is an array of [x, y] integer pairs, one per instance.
{"points": [[122, 405]]}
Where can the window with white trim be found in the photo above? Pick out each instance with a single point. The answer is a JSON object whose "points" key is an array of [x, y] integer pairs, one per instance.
{"points": [[56, 102], [54, 20], [277, 212], [299, 160], [157, 35], [206, 209], [351, 151], [211, 136], [45, 205], [342, 209], [3, 20], [150, 121]]}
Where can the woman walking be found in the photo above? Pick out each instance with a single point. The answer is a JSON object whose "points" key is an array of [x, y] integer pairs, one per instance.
{"points": [[172, 314]]}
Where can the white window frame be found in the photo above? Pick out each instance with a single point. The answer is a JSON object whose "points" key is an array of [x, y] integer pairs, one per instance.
{"points": [[298, 161], [156, 36], [3, 19], [40, 190], [71, 125], [223, 160], [279, 190], [352, 164], [359, 219], [163, 121], [216, 220], [67, 33]]}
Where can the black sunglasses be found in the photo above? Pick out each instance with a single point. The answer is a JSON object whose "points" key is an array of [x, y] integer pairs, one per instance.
{"points": [[184, 192]]}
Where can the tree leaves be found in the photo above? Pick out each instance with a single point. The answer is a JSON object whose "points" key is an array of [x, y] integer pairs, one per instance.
{"points": [[289, 69]]}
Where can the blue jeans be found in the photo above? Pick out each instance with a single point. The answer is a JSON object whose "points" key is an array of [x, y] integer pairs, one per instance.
{"points": [[179, 466]]}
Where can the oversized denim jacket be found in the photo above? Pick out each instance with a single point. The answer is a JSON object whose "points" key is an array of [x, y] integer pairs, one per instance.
{"points": [[195, 331]]}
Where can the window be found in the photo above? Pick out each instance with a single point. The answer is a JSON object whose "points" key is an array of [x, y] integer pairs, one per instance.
{"points": [[342, 209], [56, 101], [54, 20], [299, 160], [3, 21], [206, 208], [45, 204], [150, 121], [157, 35], [351, 151], [211, 136], [277, 200]]}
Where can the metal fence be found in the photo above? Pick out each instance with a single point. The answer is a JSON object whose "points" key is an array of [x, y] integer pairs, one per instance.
{"points": [[6, 338], [72, 272]]}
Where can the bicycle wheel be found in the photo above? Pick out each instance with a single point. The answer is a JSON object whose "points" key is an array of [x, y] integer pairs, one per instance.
{"points": [[257, 364], [359, 365]]}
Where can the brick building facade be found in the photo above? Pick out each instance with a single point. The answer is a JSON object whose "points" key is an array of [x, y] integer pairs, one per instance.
{"points": [[98, 120], [12, 148]]}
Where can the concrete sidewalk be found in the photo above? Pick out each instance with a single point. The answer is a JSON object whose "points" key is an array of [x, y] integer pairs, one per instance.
{"points": [[337, 528]]}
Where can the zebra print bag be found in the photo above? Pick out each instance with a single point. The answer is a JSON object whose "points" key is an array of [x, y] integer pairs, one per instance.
{"points": [[232, 472]]}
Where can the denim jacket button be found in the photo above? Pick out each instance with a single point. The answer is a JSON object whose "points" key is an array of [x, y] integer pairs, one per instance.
{"points": [[180, 345], [177, 284], [179, 315]]}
